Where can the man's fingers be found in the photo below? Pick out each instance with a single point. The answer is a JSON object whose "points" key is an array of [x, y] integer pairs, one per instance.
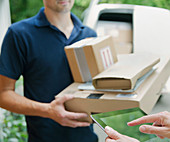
{"points": [[80, 124], [74, 115], [145, 119], [74, 124], [152, 129], [61, 100], [112, 133]]}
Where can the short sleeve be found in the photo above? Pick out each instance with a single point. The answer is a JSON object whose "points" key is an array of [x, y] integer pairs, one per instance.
{"points": [[12, 58]]}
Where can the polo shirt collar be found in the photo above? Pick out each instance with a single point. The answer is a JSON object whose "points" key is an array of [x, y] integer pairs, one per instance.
{"points": [[41, 20], [76, 21]]}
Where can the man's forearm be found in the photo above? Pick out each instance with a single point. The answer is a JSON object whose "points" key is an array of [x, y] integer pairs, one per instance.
{"points": [[55, 110], [13, 102]]}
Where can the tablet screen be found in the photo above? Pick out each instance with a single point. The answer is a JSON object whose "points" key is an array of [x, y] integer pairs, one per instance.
{"points": [[118, 121]]}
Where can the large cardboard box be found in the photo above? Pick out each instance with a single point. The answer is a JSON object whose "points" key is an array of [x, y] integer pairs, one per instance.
{"points": [[123, 47], [144, 97], [90, 56], [121, 32]]}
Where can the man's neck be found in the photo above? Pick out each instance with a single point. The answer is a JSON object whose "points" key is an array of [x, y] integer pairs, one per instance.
{"points": [[60, 20]]}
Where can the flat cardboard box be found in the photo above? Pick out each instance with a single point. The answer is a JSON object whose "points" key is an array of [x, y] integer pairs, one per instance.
{"points": [[144, 97], [124, 74], [90, 56]]}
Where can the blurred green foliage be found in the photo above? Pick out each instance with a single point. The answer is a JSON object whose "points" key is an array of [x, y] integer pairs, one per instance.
{"points": [[14, 125], [21, 9], [14, 128]]}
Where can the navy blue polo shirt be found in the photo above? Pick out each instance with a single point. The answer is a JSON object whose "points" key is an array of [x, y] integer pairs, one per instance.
{"points": [[35, 49]]}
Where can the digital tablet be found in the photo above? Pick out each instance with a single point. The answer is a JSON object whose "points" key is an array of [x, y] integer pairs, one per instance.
{"points": [[118, 121]]}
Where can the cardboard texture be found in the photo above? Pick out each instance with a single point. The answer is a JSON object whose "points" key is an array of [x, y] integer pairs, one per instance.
{"points": [[120, 31], [123, 48], [144, 97], [89, 85], [90, 56], [125, 73]]}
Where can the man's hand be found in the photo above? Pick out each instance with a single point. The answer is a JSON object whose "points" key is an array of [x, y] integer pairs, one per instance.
{"points": [[114, 136], [58, 113], [160, 127]]}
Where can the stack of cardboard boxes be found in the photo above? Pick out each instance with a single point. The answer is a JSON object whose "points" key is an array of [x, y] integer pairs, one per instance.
{"points": [[88, 58]]}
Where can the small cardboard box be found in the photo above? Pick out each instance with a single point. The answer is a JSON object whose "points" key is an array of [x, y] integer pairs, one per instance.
{"points": [[90, 56], [144, 97]]}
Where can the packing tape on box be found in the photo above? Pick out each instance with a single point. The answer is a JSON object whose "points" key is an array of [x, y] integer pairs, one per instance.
{"points": [[82, 64]]}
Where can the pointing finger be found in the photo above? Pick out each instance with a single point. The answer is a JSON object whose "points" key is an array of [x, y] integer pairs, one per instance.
{"points": [[145, 119]]}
